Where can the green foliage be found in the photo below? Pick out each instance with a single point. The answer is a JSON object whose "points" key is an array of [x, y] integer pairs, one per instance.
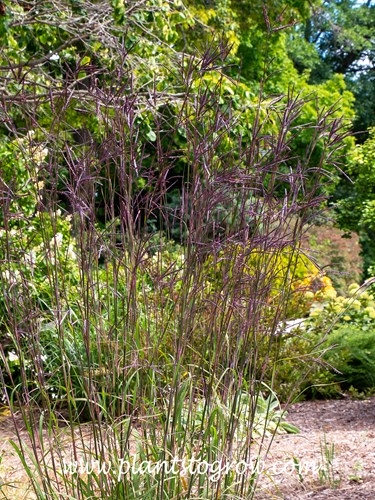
{"points": [[327, 472], [342, 33], [363, 88], [353, 356], [269, 418], [350, 344], [343, 328], [352, 41], [21, 162], [356, 207], [144, 132], [154, 36], [300, 371], [358, 308], [337, 38], [311, 352]]}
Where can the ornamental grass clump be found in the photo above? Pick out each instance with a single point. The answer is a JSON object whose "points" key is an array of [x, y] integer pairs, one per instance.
{"points": [[145, 266]]}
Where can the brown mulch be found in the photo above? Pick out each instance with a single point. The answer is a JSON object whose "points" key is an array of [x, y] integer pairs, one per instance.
{"points": [[348, 425]]}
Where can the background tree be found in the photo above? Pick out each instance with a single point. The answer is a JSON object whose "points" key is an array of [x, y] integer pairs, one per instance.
{"points": [[337, 38], [63, 48], [356, 206]]}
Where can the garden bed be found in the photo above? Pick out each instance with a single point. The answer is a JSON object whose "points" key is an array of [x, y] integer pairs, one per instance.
{"points": [[347, 424]]}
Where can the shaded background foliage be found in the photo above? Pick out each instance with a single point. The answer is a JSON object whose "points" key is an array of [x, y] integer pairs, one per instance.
{"points": [[67, 47]]}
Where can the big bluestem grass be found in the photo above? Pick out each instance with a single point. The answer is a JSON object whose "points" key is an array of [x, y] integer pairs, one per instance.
{"points": [[143, 290]]}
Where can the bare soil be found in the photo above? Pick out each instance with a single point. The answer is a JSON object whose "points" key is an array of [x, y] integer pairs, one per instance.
{"points": [[335, 454], [335, 451]]}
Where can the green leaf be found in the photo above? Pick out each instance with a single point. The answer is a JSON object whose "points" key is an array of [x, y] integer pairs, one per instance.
{"points": [[151, 135], [85, 60], [289, 428]]}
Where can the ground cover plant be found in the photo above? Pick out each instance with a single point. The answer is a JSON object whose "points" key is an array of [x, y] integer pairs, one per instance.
{"points": [[151, 248]]}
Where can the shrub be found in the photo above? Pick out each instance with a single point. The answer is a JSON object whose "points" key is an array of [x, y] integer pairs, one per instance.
{"points": [[343, 327], [353, 356]]}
